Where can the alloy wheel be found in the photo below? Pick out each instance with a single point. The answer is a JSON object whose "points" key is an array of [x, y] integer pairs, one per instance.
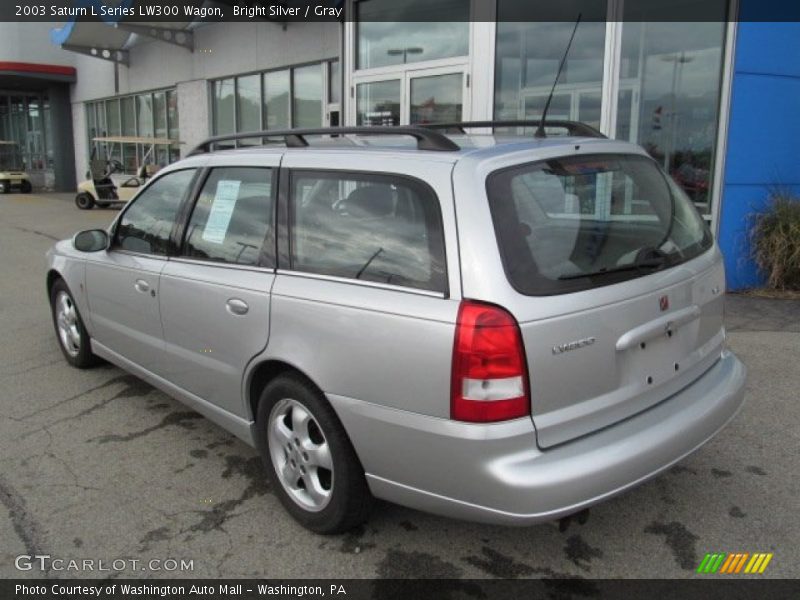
{"points": [[67, 320], [300, 455]]}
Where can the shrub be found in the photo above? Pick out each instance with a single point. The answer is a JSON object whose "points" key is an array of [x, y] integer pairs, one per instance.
{"points": [[775, 241]]}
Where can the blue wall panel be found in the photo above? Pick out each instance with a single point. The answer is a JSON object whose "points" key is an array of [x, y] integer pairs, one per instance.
{"points": [[763, 135]]}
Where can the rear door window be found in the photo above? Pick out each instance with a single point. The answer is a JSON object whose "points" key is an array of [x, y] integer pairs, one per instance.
{"points": [[368, 227], [574, 223], [231, 217]]}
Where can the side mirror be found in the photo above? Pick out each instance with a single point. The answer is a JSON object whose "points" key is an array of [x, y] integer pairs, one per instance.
{"points": [[91, 240]]}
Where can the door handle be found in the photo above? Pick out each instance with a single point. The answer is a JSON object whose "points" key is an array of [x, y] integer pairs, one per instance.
{"points": [[236, 306], [142, 286]]}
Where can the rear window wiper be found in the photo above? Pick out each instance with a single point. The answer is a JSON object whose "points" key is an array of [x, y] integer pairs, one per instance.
{"points": [[367, 264], [650, 263]]}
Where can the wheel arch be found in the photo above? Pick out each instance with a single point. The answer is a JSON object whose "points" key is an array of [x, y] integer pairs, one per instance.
{"points": [[266, 371], [52, 276]]}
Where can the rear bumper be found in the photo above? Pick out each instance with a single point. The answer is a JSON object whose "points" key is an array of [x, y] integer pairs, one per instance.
{"points": [[497, 474]]}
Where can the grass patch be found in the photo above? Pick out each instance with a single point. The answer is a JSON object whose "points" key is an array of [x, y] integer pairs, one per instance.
{"points": [[775, 241]]}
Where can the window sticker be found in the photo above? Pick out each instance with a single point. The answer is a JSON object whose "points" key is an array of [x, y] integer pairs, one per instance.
{"points": [[221, 210]]}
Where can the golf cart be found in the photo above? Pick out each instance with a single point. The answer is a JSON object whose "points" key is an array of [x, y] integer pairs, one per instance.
{"points": [[106, 181], [12, 174]]}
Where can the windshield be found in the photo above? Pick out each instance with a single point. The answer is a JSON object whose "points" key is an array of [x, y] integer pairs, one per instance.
{"points": [[574, 223]]}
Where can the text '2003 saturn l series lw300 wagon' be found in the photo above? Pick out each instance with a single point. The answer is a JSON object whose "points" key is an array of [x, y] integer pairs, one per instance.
{"points": [[504, 329]]}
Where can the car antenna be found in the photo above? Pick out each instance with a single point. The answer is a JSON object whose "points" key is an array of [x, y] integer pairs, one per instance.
{"points": [[540, 133]]}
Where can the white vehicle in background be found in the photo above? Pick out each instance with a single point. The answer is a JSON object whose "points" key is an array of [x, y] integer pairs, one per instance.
{"points": [[12, 172], [106, 182]]}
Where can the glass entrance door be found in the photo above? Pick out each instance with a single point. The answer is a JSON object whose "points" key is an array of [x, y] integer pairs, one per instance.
{"points": [[413, 96], [436, 98]]}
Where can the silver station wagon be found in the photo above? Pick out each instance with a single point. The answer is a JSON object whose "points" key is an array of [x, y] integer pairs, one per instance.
{"points": [[491, 327]]}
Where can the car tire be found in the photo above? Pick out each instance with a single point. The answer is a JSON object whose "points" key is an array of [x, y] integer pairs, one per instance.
{"points": [[26, 187], [304, 446], [84, 201], [71, 334]]}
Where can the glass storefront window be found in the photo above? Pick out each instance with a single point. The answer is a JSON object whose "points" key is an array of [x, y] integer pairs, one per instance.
{"points": [[387, 37], [173, 124], [248, 103], [224, 121], [100, 110], [5, 129], [128, 115], [115, 151], [670, 77], [25, 120], [334, 82], [276, 100], [437, 98], [112, 117], [280, 99], [144, 115], [526, 64], [307, 99], [48, 134], [378, 103], [160, 114]]}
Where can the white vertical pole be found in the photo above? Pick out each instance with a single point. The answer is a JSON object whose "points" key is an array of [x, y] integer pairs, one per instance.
{"points": [[611, 60]]}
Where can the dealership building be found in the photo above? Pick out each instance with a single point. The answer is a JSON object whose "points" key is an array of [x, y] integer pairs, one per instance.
{"points": [[716, 102]]}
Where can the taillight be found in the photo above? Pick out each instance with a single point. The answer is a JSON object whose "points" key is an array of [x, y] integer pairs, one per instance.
{"points": [[490, 379]]}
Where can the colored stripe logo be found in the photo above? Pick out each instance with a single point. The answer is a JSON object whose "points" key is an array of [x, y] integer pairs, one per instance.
{"points": [[735, 563]]}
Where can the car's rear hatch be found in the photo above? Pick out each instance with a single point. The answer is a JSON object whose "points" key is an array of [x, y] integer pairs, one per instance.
{"points": [[617, 287], [594, 367]]}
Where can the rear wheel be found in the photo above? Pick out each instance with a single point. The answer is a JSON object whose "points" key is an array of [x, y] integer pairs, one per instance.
{"points": [[25, 187], [310, 459], [84, 201], [72, 336]]}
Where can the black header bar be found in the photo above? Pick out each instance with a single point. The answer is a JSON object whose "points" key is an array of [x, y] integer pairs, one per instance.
{"points": [[289, 11]]}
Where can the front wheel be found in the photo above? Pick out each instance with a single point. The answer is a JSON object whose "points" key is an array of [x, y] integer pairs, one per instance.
{"points": [[72, 336], [25, 187], [309, 458], [84, 201]]}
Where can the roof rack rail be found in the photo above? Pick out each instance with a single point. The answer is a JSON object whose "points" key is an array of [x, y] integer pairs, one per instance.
{"points": [[575, 128], [427, 139]]}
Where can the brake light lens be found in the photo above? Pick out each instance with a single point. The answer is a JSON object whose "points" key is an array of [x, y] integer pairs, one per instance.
{"points": [[490, 377]]}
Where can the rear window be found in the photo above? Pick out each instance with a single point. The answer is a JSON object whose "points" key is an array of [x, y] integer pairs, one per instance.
{"points": [[575, 223]]}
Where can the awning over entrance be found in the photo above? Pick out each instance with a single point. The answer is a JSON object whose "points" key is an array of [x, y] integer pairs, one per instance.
{"points": [[111, 40], [93, 39]]}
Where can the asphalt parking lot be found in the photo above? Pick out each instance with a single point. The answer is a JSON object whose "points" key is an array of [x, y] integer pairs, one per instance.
{"points": [[97, 464]]}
